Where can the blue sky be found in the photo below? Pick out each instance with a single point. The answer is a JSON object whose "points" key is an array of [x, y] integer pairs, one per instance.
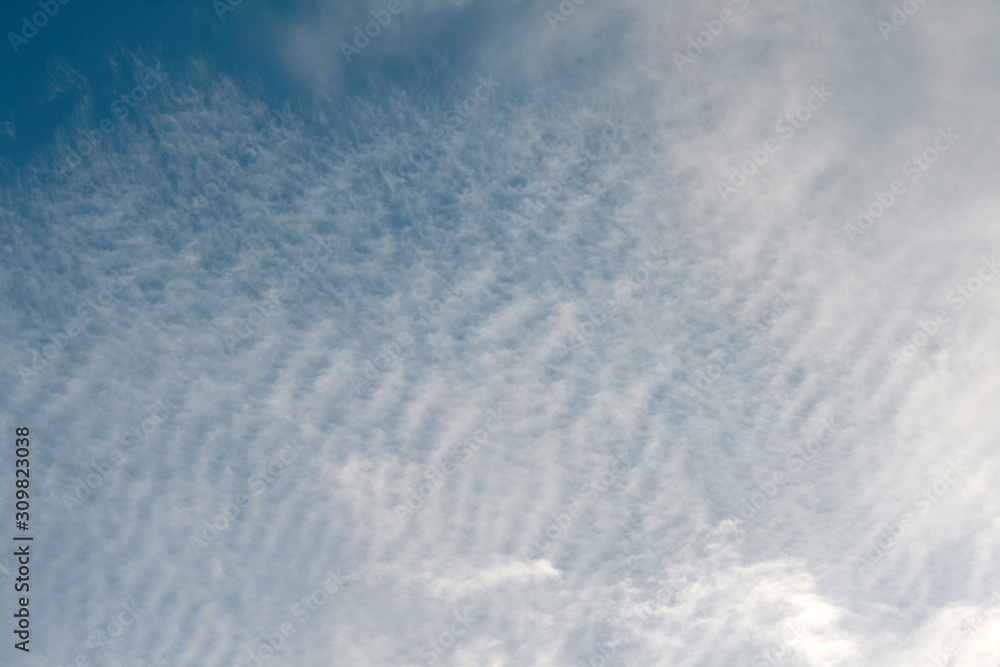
{"points": [[531, 334]]}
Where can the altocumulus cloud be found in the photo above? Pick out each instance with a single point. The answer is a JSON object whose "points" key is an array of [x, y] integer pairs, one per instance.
{"points": [[517, 288]]}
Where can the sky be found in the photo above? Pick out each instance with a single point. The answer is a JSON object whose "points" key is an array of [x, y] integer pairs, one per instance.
{"points": [[506, 334]]}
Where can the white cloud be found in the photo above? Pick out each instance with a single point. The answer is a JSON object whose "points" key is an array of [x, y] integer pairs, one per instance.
{"points": [[668, 523]]}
